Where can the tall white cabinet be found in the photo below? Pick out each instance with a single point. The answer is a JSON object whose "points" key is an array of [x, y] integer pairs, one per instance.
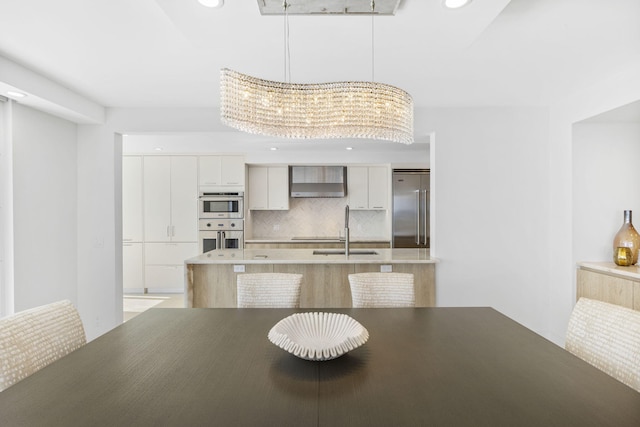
{"points": [[171, 199], [132, 199], [170, 219], [132, 228]]}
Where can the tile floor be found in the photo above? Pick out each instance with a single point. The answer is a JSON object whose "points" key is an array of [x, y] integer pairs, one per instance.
{"points": [[138, 303]]}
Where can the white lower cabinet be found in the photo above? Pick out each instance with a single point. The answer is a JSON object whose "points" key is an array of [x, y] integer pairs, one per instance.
{"points": [[164, 278], [164, 265], [132, 268]]}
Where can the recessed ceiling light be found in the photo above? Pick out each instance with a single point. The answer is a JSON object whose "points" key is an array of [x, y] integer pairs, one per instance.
{"points": [[349, 148], [211, 3], [273, 148], [158, 149], [16, 94], [455, 4]]}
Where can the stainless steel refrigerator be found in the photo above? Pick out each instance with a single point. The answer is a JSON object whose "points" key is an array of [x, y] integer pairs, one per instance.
{"points": [[411, 208]]}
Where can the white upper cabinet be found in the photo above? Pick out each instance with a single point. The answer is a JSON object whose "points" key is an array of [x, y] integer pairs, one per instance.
{"points": [[278, 187], [221, 171], [210, 168], [170, 199], [378, 187], [268, 188], [258, 188], [184, 199], [358, 182], [157, 199], [132, 229], [368, 187]]}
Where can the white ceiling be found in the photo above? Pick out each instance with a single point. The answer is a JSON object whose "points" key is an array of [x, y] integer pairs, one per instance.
{"points": [[124, 53]]}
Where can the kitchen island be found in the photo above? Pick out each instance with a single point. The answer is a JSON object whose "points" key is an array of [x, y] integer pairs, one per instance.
{"points": [[210, 279]]}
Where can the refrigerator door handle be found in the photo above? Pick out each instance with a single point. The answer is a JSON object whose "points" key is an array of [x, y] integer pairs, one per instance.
{"points": [[218, 246], [223, 241], [424, 215], [417, 216]]}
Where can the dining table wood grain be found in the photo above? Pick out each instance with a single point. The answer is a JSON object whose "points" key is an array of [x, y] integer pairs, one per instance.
{"points": [[421, 366]]}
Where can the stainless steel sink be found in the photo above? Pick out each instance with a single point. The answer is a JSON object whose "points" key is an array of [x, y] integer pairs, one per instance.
{"points": [[342, 252]]}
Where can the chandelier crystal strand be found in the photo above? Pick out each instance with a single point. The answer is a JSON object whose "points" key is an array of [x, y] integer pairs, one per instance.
{"points": [[320, 111]]}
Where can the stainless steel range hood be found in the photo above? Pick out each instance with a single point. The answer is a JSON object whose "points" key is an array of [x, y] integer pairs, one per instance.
{"points": [[318, 181]]}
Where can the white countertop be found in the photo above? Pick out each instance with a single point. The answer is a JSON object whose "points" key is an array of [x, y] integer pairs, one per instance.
{"points": [[305, 256], [631, 272]]}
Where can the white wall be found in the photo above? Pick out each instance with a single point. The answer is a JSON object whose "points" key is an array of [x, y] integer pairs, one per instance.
{"points": [[44, 178], [619, 89], [6, 211], [491, 209], [606, 178]]}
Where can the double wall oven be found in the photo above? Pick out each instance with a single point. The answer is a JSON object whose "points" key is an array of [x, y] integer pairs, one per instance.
{"points": [[221, 223]]}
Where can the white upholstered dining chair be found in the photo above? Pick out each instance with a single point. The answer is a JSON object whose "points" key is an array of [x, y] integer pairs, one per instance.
{"points": [[380, 290], [269, 290], [608, 337], [32, 339]]}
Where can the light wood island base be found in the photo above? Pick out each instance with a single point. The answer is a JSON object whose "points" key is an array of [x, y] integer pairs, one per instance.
{"points": [[325, 278], [610, 283]]}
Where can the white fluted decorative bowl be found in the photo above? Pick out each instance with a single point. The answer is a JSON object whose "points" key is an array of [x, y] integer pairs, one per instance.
{"points": [[318, 336]]}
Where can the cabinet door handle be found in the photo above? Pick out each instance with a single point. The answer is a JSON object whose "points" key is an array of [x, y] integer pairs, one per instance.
{"points": [[168, 231]]}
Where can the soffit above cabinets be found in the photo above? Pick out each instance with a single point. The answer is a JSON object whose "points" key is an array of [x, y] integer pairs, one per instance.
{"points": [[328, 7]]}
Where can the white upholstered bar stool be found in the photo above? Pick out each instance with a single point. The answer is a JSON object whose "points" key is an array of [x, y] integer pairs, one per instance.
{"points": [[269, 290], [608, 337], [32, 339], [380, 290]]}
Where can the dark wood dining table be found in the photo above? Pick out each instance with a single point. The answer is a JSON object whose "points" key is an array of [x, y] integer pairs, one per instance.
{"points": [[420, 367]]}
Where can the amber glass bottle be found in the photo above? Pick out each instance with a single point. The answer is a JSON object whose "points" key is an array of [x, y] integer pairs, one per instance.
{"points": [[626, 243]]}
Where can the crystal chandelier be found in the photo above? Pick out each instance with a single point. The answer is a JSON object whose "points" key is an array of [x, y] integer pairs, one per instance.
{"points": [[316, 111]]}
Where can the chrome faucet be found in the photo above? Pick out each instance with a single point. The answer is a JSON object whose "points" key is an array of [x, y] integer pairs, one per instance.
{"points": [[346, 230]]}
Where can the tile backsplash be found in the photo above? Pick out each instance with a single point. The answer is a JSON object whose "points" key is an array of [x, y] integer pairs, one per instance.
{"points": [[321, 217]]}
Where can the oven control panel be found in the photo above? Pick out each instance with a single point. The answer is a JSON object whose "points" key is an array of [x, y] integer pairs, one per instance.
{"points": [[221, 224]]}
